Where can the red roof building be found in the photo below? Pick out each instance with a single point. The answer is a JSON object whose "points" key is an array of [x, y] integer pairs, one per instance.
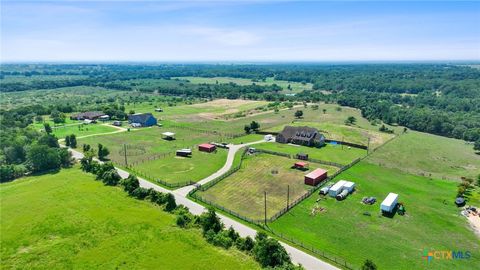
{"points": [[315, 177], [300, 165], [206, 147]]}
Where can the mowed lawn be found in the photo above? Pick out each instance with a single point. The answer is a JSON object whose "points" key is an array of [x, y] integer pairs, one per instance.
{"points": [[422, 153], [173, 169], [146, 142], [432, 222], [81, 130], [68, 220], [334, 153], [243, 191]]}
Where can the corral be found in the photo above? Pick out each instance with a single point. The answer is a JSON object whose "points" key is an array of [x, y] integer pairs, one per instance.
{"points": [[243, 191]]}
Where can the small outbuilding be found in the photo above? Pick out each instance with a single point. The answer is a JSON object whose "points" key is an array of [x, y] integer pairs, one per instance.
{"points": [[168, 136], [268, 137], [315, 177], [388, 205], [184, 152], [144, 119], [206, 147], [302, 156], [159, 110], [104, 118], [336, 188], [300, 165], [117, 123]]}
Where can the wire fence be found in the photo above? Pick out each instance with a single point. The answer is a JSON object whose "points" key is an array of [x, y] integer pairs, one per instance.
{"points": [[211, 132], [159, 181], [330, 163]]}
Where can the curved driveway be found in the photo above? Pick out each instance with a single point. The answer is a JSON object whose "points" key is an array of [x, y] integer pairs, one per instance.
{"points": [[299, 257]]}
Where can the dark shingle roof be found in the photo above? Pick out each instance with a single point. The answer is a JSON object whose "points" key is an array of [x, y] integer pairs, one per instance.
{"points": [[139, 117]]}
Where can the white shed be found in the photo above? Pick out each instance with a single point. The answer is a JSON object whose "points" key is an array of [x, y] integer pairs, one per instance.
{"points": [[268, 137], [389, 203], [350, 186], [337, 188]]}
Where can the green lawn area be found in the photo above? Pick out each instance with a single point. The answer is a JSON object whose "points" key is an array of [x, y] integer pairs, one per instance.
{"points": [[333, 153], [246, 139], [422, 153], [432, 222], [243, 191], [68, 220], [173, 169], [147, 141], [81, 130]]}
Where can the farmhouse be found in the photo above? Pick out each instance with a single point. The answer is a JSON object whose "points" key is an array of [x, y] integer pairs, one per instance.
{"points": [[315, 177], [301, 135], [87, 115], [206, 147], [144, 119]]}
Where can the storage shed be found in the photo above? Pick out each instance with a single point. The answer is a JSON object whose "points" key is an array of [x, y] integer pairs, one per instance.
{"points": [[389, 203], [315, 177], [184, 152], [302, 156], [168, 136], [206, 147], [268, 137], [337, 188], [300, 165]]}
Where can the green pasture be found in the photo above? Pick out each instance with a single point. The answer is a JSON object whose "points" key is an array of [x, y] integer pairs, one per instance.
{"points": [[81, 130], [243, 191], [432, 222], [173, 169], [144, 143], [433, 156], [67, 220], [246, 139], [333, 153]]}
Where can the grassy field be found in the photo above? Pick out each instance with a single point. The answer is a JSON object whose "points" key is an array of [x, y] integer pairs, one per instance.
{"points": [[173, 169], [81, 130], [296, 87], [333, 153], [148, 142], [432, 222], [70, 221], [243, 191], [422, 153]]}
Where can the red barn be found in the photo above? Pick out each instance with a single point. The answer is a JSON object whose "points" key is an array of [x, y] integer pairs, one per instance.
{"points": [[206, 147], [315, 177]]}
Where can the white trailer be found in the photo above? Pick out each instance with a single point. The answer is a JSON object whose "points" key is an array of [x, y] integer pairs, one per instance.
{"points": [[389, 203], [337, 188], [268, 137], [350, 186]]}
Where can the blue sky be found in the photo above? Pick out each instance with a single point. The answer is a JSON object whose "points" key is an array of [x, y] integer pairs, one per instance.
{"points": [[239, 31]]}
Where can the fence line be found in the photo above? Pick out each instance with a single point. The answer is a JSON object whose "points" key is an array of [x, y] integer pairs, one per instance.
{"points": [[164, 183], [330, 163]]}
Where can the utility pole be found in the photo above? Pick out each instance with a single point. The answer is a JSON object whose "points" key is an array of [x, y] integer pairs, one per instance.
{"points": [[288, 196], [265, 196], [125, 153]]}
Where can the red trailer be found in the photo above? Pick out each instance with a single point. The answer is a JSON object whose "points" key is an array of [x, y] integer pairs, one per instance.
{"points": [[315, 177], [206, 147]]}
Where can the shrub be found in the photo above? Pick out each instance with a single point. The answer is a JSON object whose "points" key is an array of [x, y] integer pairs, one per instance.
{"points": [[269, 253], [140, 193], [183, 220], [130, 184], [369, 265], [210, 221], [170, 203], [110, 177], [222, 239], [232, 234]]}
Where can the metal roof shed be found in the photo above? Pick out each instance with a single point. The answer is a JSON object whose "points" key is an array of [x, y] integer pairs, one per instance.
{"points": [[349, 186], [337, 188], [168, 135], [389, 203]]}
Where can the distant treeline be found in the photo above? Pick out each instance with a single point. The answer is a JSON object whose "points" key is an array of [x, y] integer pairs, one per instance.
{"points": [[436, 98]]}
